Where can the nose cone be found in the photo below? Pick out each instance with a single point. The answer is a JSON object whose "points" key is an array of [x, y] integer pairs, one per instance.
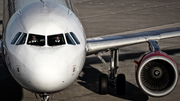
{"points": [[46, 72], [49, 64]]}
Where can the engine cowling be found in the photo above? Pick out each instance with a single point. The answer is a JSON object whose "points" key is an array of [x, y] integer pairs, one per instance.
{"points": [[156, 73]]}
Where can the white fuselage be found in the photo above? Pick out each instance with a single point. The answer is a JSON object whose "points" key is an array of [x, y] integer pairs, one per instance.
{"points": [[44, 69]]}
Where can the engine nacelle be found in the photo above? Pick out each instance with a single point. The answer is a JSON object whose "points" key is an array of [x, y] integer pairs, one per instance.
{"points": [[156, 73]]}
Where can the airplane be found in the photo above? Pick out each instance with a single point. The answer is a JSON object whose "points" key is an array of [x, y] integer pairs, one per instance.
{"points": [[44, 47]]}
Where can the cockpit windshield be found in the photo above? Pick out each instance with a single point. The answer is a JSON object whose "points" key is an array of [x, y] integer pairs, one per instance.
{"points": [[54, 40], [38, 40]]}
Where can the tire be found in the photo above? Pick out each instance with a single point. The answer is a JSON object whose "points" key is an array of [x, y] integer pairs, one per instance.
{"points": [[121, 84], [103, 84]]}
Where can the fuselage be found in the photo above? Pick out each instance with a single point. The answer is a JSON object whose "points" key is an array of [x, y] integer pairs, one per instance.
{"points": [[44, 66]]}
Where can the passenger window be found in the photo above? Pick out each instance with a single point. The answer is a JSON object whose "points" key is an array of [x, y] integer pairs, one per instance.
{"points": [[75, 38], [54, 40], [37, 40], [69, 39], [15, 38], [22, 39]]}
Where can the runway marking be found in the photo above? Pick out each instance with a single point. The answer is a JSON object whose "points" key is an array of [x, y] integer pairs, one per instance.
{"points": [[112, 3], [172, 25], [156, 6], [133, 5], [84, 1], [144, 5], [129, 10]]}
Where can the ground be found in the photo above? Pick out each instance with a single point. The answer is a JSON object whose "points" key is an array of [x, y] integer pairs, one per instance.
{"points": [[110, 17]]}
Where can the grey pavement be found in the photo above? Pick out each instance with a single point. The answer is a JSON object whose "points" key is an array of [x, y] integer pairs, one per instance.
{"points": [[104, 18]]}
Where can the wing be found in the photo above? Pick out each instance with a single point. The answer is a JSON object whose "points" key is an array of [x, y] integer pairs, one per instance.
{"points": [[95, 45]]}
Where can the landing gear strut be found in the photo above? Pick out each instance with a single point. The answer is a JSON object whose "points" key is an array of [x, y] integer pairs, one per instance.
{"points": [[106, 81]]}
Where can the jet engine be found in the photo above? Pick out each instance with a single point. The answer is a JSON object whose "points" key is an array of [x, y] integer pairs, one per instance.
{"points": [[156, 73]]}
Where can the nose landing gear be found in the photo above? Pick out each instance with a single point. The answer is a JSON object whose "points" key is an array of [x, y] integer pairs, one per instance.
{"points": [[44, 97]]}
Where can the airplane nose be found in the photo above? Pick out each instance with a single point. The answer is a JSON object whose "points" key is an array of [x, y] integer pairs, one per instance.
{"points": [[48, 64], [46, 72]]}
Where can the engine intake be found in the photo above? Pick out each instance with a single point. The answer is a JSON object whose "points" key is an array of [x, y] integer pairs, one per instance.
{"points": [[156, 73]]}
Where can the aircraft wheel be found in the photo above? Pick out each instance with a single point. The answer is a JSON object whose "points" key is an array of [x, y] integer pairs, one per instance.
{"points": [[121, 84], [103, 84]]}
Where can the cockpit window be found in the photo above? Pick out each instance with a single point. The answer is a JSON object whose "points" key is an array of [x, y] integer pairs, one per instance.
{"points": [[38, 40], [22, 39], [15, 38], [75, 38], [69, 39], [54, 40]]}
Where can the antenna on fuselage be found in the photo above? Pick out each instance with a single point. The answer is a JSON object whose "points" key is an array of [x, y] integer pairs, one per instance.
{"points": [[43, 3]]}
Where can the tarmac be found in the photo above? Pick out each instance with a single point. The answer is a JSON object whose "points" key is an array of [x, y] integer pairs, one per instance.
{"points": [[106, 18]]}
